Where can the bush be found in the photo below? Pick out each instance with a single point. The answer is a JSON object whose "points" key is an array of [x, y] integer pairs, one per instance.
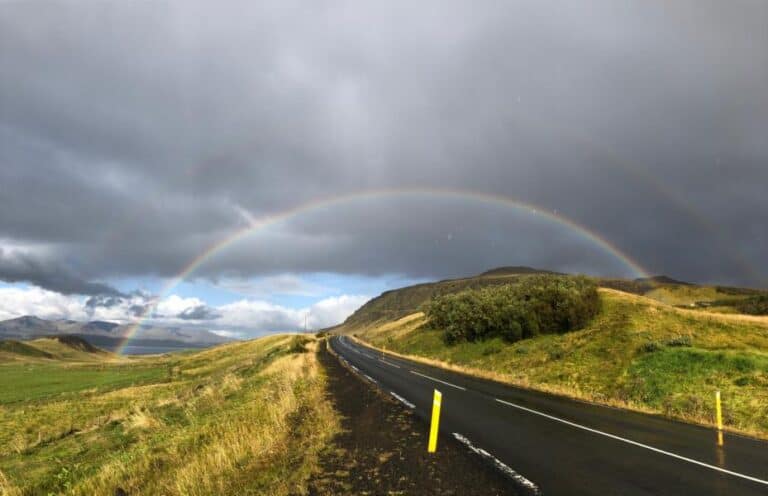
{"points": [[679, 341], [755, 305], [533, 305], [650, 347]]}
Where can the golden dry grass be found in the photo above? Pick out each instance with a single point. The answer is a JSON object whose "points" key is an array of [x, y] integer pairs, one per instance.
{"points": [[244, 418]]}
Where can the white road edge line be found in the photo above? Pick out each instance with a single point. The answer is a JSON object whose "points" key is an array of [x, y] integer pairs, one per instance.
{"points": [[635, 443], [499, 465], [370, 378], [438, 380], [355, 368], [402, 400], [390, 364]]}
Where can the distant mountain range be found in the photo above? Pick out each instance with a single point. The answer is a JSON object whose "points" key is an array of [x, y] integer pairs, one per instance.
{"points": [[106, 334]]}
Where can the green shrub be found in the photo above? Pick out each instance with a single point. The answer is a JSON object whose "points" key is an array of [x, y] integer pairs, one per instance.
{"points": [[755, 305], [531, 306], [491, 349], [743, 381], [650, 347], [679, 341]]}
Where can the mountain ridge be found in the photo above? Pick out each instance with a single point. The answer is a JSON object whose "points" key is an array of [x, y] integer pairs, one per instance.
{"points": [[100, 332]]}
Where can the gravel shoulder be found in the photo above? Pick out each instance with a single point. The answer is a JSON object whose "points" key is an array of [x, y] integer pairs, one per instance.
{"points": [[382, 448]]}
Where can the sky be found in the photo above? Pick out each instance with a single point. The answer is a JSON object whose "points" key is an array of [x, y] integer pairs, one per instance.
{"points": [[346, 148]]}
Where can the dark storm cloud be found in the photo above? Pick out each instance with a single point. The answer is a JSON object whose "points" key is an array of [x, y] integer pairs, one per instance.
{"points": [[20, 267], [133, 135]]}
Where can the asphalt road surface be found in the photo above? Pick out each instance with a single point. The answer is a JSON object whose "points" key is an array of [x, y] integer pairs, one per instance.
{"points": [[567, 447]]}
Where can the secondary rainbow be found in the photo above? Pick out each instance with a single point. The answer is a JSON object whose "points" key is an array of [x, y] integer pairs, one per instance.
{"points": [[268, 220]]}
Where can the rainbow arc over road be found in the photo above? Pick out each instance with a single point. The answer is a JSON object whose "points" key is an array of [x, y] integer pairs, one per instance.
{"points": [[256, 225]]}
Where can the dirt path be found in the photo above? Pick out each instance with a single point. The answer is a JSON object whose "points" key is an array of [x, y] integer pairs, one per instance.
{"points": [[382, 449]]}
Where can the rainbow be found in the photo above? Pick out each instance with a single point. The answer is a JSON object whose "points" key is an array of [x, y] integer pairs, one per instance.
{"points": [[255, 225]]}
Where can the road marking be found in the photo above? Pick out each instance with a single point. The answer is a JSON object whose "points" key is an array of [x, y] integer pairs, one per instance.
{"points": [[402, 400], [438, 380], [390, 364], [635, 443], [356, 369], [370, 378], [527, 484]]}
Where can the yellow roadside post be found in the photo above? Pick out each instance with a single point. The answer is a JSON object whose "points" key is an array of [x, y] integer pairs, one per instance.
{"points": [[438, 399], [719, 415]]}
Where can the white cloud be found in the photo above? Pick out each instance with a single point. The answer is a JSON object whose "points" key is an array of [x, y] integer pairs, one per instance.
{"points": [[19, 301], [261, 316], [228, 334], [334, 310], [237, 319], [173, 305]]}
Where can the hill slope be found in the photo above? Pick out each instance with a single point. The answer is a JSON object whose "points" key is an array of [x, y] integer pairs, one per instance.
{"points": [[63, 348], [395, 304]]}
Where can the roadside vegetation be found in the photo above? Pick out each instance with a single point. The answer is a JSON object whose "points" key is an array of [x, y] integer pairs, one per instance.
{"points": [[532, 305], [243, 418], [754, 305], [636, 353]]}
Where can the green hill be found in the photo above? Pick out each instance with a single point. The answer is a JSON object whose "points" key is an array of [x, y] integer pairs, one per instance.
{"points": [[11, 349], [395, 304]]}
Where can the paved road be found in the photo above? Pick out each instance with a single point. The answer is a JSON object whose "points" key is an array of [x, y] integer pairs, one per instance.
{"points": [[567, 447]]}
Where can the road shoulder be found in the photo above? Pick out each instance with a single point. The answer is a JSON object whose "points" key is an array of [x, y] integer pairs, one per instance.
{"points": [[382, 448]]}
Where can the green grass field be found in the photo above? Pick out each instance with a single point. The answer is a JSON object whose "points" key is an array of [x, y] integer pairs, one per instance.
{"points": [[244, 418], [637, 353], [36, 381]]}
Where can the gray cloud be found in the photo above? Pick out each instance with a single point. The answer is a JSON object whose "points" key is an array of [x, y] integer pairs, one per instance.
{"points": [[199, 312], [130, 133], [21, 267]]}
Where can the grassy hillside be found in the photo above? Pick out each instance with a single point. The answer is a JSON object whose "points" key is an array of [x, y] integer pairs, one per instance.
{"points": [[58, 348], [243, 418], [11, 349], [396, 304], [637, 353]]}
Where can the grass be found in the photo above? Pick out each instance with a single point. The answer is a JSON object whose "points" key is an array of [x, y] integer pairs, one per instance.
{"points": [[243, 418], [638, 353], [687, 295], [35, 381]]}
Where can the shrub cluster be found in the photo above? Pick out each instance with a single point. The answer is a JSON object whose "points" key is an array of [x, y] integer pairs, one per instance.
{"points": [[533, 305], [755, 305]]}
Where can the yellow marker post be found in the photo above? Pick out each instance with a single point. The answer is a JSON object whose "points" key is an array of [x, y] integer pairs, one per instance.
{"points": [[719, 415], [438, 399]]}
